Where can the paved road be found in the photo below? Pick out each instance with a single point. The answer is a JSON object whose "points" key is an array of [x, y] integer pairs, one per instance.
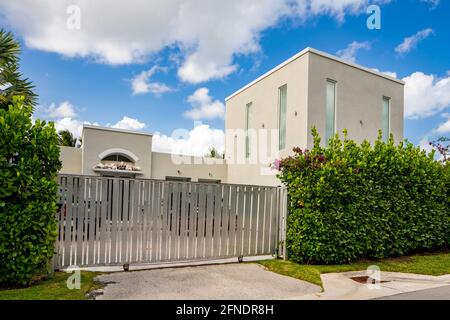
{"points": [[441, 293], [230, 281]]}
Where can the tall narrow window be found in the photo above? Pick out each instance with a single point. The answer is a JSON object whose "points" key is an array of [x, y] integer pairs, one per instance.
{"points": [[282, 93], [385, 119], [330, 110], [248, 118]]}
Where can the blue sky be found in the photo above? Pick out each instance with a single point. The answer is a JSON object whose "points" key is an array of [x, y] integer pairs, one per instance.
{"points": [[195, 57]]}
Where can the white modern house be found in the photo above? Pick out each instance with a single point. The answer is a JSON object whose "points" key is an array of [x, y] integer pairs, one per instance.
{"points": [[264, 121], [311, 89]]}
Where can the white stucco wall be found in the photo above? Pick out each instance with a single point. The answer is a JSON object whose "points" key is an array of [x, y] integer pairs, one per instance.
{"points": [[264, 98], [97, 139], [166, 165], [359, 98], [71, 160]]}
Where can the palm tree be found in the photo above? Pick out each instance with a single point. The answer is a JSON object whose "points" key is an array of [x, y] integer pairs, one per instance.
{"points": [[66, 138], [12, 82]]}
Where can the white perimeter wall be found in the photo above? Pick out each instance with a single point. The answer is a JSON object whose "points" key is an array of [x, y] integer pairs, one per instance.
{"points": [[166, 164], [71, 160]]}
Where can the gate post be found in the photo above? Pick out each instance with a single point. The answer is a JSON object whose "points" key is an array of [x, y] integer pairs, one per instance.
{"points": [[284, 201], [55, 258], [282, 222], [54, 261]]}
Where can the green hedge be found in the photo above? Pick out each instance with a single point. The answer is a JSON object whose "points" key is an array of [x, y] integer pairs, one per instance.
{"points": [[351, 201], [29, 162]]}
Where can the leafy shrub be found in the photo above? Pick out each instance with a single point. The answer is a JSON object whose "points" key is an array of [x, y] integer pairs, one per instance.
{"points": [[350, 201], [29, 162]]}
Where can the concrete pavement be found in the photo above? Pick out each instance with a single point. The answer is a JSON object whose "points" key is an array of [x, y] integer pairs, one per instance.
{"points": [[340, 286], [227, 281]]}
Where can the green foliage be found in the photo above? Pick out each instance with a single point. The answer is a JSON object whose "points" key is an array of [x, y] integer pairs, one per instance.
{"points": [[213, 153], [351, 201], [66, 138], [55, 288], [29, 162], [12, 82]]}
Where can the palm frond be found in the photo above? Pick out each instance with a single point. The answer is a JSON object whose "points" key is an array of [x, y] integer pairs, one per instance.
{"points": [[12, 82], [9, 49]]}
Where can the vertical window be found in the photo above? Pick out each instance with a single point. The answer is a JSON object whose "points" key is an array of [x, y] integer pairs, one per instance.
{"points": [[330, 110], [248, 118], [282, 94], [385, 119]]}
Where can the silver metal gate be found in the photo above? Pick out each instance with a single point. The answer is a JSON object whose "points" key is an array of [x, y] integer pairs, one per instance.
{"points": [[112, 221]]}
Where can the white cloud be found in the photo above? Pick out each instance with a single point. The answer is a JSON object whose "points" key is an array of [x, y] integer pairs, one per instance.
{"points": [[425, 95], [424, 144], [63, 110], [194, 142], [349, 53], [140, 84], [129, 124], [209, 34], [392, 74], [336, 8], [444, 128], [65, 118], [203, 106], [193, 70], [158, 88], [411, 42], [433, 3], [63, 115], [73, 125]]}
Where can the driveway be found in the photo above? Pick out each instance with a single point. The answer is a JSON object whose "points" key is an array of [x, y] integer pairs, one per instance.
{"points": [[228, 281]]}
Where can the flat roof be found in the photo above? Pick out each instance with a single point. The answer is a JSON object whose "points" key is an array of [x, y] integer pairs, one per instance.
{"points": [[90, 126], [319, 53]]}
